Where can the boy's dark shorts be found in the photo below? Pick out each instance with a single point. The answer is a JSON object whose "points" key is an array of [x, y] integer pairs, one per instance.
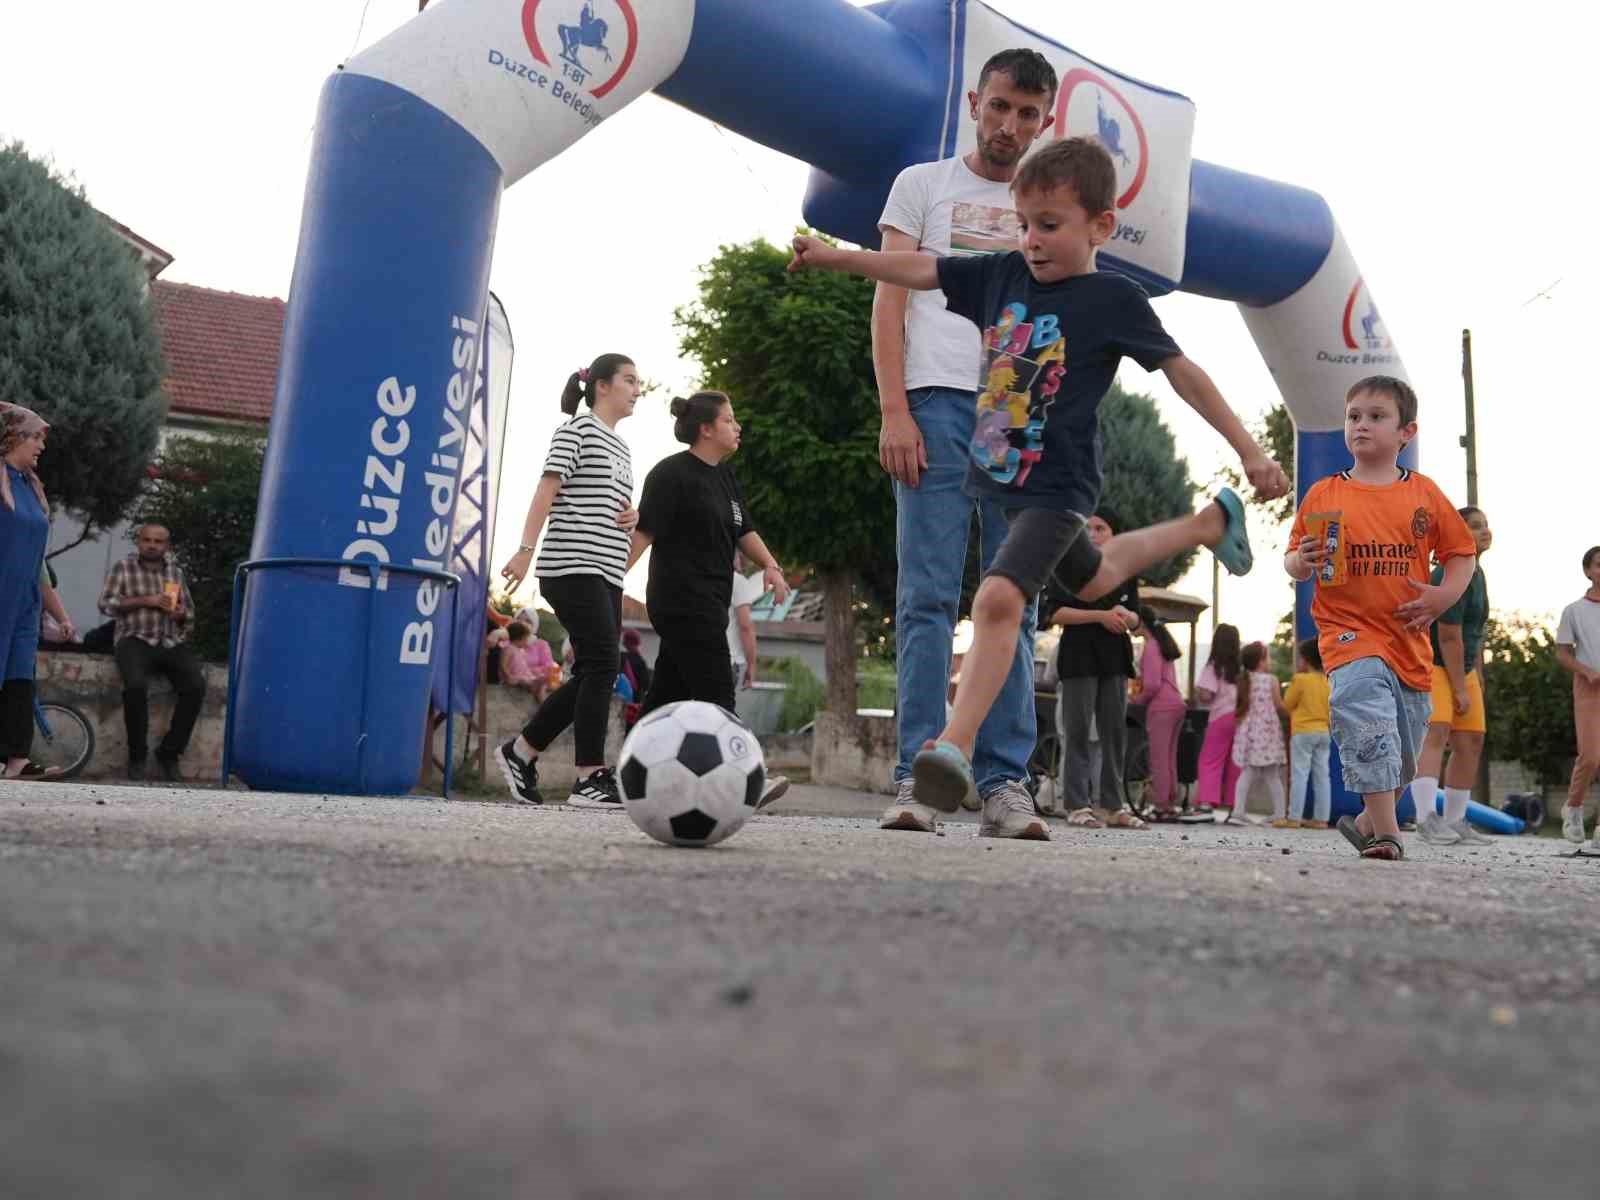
{"points": [[1040, 541]]}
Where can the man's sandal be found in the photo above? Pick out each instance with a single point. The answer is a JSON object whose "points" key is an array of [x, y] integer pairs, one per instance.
{"points": [[1125, 819], [1085, 818]]}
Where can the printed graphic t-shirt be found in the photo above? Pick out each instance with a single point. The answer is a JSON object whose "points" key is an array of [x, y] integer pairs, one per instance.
{"points": [[596, 473], [695, 516], [1050, 352], [947, 210], [1381, 535]]}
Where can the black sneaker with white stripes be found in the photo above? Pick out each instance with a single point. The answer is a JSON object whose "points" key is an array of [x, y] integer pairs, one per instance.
{"points": [[522, 777], [599, 790]]}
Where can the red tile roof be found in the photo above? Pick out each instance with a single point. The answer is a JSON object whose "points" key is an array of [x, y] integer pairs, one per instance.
{"points": [[222, 350]]}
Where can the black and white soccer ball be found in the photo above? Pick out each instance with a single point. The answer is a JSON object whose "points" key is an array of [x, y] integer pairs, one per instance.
{"points": [[691, 774]]}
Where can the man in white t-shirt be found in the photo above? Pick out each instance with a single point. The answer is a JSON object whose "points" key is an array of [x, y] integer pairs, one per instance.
{"points": [[742, 649], [927, 361], [741, 626], [1578, 651]]}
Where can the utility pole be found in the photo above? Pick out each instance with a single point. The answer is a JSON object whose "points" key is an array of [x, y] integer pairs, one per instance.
{"points": [[1469, 440]]}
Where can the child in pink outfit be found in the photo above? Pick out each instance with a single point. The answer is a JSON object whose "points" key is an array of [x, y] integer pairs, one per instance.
{"points": [[1164, 710], [525, 660], [1258, 747], [1218, 689]]}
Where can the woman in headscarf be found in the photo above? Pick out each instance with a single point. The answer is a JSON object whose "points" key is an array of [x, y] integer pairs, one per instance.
{"points": [[24, 586]]}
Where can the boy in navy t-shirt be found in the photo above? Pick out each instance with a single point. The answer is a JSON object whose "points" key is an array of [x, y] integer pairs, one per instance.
{"points": [[1054, 330]]}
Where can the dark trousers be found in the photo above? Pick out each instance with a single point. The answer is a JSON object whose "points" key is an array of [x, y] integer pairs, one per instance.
{"points": [[16, 719], [590, 610], [692, 664], [1105, 700], [138, 660]]}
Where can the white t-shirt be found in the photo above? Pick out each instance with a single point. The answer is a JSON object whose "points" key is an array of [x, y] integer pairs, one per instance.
{"points": [[596, 472], [1580, 629], [948, 210], [746, 590]]}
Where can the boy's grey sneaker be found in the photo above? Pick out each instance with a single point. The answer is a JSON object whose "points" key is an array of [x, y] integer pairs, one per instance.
{"points": [[521, 776], [1008, 813], [906, 813], [1433, 830], [1572, 825], [597, 791], [1470, 836]]}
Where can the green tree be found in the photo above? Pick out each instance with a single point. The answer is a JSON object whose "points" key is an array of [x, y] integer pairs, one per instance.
{"points": [[795, 353], [1530, 699], [205, 494], [78, 342]]}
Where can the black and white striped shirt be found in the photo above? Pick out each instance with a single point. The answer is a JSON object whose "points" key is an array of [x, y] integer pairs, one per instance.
{"points": [[596, 473]]}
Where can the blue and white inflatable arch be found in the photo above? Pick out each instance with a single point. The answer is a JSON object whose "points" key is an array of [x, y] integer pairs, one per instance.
{"points": [[418, 135]]}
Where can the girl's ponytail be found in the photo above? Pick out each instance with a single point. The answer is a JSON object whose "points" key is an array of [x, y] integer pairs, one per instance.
{"points": [[581, 383]]}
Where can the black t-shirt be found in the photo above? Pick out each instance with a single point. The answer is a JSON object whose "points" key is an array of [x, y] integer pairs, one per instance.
{"points": [[1050, 353], [1091, 650], [695, 516]]}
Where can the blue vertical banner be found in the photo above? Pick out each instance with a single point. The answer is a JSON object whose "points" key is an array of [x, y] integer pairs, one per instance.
{"points": [[472, 538]]}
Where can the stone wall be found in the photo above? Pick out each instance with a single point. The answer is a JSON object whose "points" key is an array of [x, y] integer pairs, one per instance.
{"points": [[90, 683]]}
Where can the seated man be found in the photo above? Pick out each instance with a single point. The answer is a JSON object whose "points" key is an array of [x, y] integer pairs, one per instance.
{"points": [[147, 596]]}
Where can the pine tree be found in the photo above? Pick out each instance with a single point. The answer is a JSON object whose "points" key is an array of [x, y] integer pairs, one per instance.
{"points": [[78, 341]]}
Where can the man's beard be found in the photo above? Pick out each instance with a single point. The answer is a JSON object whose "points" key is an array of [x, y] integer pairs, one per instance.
{"points": [[995, 153]]}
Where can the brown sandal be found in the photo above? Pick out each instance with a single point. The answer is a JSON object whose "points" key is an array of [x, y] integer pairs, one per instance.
{"points": [[1385, 847]]}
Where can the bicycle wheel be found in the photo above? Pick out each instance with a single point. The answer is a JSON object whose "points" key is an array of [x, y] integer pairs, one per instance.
{"points": [[66, 739], [466, 740]]}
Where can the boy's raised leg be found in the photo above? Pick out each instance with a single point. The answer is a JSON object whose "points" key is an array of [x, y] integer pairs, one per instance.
{"points": [[1128, 554]]}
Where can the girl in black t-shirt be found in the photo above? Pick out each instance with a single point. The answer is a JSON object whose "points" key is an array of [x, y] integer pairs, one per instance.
{"points": [[693, 515]]}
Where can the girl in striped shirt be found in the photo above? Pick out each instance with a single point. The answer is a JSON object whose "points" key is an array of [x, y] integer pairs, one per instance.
{"points": [[586, 496]]}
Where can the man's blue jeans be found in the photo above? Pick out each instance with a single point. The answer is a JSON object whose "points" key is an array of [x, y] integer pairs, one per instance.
{"points": [[931, 526]]}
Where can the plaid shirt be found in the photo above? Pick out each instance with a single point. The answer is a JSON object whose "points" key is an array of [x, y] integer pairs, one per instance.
{"points": [[130, 577]]}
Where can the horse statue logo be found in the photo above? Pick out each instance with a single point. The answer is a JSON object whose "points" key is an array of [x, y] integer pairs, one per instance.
{"points": [[1110, 131], [1372, 328], [589, 32]]}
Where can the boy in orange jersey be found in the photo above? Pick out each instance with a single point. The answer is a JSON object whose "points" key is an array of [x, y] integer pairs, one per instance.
{"points": [[1366, 535]]}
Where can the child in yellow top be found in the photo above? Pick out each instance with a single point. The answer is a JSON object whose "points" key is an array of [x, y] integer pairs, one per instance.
{"points": [[1367, 536], [1309, 739]]}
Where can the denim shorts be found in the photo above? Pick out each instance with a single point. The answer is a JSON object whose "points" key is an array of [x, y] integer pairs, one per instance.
{"points": [[1378, 723], [1042, 541]]}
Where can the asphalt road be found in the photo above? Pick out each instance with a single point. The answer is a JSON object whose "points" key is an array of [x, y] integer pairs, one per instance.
{"points": [[226, 994]]}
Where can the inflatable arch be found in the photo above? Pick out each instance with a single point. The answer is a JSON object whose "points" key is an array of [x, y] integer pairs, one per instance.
{"points": [[416, 138]]}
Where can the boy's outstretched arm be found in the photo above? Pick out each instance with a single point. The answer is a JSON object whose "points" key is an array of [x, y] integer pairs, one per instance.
{"points": [[907, 269], [1197, 390], [1424, 608]]}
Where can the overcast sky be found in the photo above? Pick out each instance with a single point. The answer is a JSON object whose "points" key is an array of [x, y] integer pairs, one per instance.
{"points": [[1450, 145]]}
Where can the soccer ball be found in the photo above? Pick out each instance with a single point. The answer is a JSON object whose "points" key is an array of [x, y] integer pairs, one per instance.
{"points": [[691, 774]]}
